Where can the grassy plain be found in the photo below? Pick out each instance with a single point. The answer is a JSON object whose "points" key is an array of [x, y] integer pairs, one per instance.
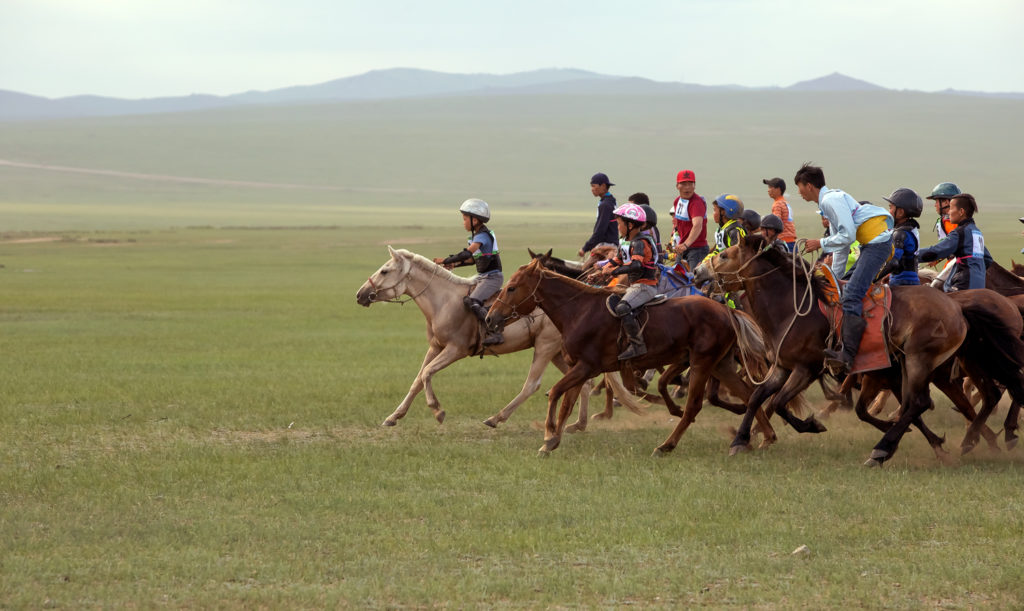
{"points": [[190, 418], [190, 403]]}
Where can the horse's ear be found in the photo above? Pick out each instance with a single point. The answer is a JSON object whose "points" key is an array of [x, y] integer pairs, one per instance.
{"points": [[391, 251], [533, 255], [548, 254]]}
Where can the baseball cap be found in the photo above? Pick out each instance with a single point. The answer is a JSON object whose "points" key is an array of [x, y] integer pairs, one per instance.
{"points": [[686, 176], [601, 179], [776, 183]]}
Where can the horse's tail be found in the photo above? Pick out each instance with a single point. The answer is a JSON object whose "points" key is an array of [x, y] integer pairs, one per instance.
{"points": [[622, 393], [994, 345], [749, 338]]}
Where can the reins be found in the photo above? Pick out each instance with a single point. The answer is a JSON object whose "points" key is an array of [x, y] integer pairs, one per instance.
{"points": [[801, 308]]}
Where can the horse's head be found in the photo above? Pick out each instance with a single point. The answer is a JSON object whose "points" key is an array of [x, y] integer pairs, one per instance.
{"points": [[519, 297], [729, 268], [388, 282]]}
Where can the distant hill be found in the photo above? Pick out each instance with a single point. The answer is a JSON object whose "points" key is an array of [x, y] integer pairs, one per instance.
{"points": [[835, 82], [399, 83]]}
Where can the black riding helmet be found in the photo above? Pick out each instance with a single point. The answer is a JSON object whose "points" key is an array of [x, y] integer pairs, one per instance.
{"points": [[945, 190], [752, 218], [908, 200], [772, 222], [652, 216]]}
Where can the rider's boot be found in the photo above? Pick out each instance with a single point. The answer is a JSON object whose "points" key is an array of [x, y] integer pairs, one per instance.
{"points": [[636, 346], [842, 360], [493, 336]]}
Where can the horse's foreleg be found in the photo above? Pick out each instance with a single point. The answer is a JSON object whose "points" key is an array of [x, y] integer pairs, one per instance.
{"points": [[914, 401], [581, 421], [990, 395], [1010, 425], [726, 374], [741, 441], [573, 379], [798, 381], [663, 383], [417, 386], [449, 354]]}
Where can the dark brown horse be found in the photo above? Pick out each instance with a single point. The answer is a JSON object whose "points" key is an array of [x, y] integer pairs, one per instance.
{"points": [[693, 332], [927, 328]]}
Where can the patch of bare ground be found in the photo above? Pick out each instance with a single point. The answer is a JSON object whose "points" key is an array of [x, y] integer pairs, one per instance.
{"points": [[296, 435], [50, 238]]}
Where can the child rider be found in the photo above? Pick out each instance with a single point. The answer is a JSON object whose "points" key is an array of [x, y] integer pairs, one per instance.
{"points": [[483, 252], [637, 258], [905, 206]]}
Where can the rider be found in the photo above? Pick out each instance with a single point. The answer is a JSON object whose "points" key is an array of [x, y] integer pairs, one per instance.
{"points": [[905, 206], [965, 243], [482, 252], [651, 226], [728, 213], [848, 220], [751, 221], [637, 258], [942, 194], [771, 228]]}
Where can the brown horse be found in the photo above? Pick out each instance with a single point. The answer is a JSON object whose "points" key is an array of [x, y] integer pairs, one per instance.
{"points": [[693, 332], [927, 328]]}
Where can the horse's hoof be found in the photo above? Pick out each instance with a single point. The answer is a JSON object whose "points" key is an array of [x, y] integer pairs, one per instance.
{"points": [[388, 422], [739, 449], [601, 416], [542, 453], [871, 462], [661, 452], [575, 427], [876, 458], [491, 422], [1011, 444], [817, 427], [967, 445], [440, 417], [766, 443]]}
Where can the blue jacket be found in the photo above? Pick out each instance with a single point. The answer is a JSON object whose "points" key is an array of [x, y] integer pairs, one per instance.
{"points": [[902, 267], [606, 229], [968, 246]]}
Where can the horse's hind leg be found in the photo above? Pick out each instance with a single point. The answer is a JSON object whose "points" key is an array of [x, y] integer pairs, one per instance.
{"points": [[962, 404], [572, 380], [694, 402], [581, 420], [798, 381], [726, 374], [417, 386]]}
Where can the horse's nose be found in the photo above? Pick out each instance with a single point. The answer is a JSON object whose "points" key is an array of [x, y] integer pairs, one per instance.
{"points": [[363, 297]]}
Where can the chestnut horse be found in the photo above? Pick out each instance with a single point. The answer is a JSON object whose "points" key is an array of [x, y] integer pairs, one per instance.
{"points": [[693, 332], [452, 333], [927, 328]]}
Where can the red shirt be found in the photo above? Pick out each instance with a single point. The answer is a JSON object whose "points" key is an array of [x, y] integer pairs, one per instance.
{"points": [[780, 208], [683, 223]]}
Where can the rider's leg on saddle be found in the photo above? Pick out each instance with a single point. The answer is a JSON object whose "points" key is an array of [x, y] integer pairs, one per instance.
{"points": [[636, 295], [485, 288], [872, 257], [943, 276]]}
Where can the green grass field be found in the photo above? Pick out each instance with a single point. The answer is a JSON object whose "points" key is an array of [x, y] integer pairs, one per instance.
{"points": [[191, 398], [191, 418]]}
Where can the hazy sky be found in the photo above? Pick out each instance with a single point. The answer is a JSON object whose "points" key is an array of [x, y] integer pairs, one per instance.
{"points": [[149, 48]]}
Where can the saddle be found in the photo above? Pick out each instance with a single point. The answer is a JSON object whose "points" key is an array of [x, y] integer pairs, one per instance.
{"points": [[615, 298], [873, 352]]}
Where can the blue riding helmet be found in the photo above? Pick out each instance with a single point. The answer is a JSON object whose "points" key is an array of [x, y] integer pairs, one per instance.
{"points": [[731, 205]]}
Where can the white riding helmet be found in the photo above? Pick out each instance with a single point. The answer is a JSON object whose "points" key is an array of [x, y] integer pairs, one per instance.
{"points": [[476, 207]]}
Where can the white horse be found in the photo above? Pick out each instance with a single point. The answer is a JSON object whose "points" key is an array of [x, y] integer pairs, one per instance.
{"points": [[453, 333]]}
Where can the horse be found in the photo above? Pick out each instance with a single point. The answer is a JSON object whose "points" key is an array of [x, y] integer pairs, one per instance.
{"points": [[452, 334], [926, 329], [1017, 268], [693, 332]]}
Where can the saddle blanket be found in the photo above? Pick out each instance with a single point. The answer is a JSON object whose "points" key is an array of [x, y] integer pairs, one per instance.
{"points": [[874, 351]]}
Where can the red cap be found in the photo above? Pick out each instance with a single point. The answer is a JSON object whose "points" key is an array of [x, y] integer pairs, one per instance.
{"points": [[686, 176]]}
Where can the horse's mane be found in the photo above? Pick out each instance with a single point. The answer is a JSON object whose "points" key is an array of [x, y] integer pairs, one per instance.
{"points": [[581, 286], [784, 261], [1011, 283], [428, 265]]}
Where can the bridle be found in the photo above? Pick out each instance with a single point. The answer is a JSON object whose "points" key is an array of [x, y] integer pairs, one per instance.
{"points": [[801, 308], [396, 299]]}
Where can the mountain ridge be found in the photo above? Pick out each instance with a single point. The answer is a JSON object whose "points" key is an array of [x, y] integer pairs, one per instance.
{"points": [[395, 83]]}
